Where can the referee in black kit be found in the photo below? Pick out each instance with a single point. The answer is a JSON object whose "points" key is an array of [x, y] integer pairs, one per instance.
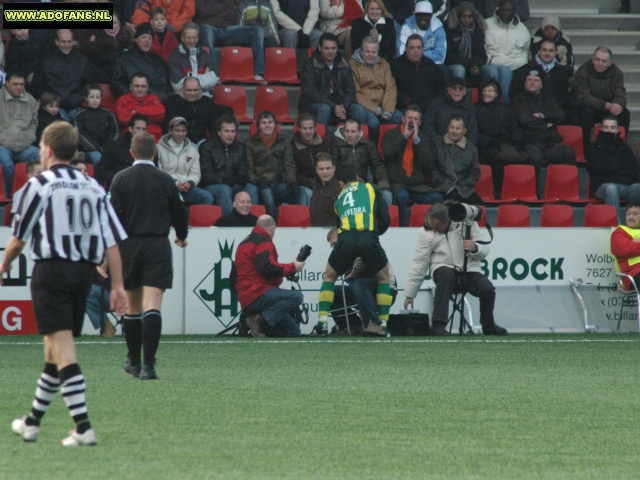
{"points": [[72, 227], [148, 203]]}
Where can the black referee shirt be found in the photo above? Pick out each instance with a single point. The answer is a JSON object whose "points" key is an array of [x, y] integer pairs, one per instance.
{"points": [[68, 217], [148, 202]]}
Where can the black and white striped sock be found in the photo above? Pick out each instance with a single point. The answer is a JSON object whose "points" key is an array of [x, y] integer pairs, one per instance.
{"points": [[73, 393], [48, 386], [151, 330], [132, 326]]}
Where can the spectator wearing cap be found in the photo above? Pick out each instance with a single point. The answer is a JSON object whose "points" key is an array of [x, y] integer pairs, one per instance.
{"points": [[376, 93], [507, 42], [466, 54], [454, 102], [418, 79], [431, 30], [140, 101], [178, 157], [555, 77], [598, 90], [500, 140], [140, 60], [538, 114], [550, 30]]}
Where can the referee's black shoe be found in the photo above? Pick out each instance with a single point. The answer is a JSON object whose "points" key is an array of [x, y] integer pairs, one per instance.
{"points": [[148, 373]]}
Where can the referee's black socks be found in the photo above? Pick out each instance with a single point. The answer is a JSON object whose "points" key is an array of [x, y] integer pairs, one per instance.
{"points": [[73, 392], [132, 326], [151, 330]]}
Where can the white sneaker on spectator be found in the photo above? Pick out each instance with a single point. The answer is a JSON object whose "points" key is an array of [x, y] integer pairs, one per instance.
{"points": [[80, 439], [260, 79], [29, 433]]}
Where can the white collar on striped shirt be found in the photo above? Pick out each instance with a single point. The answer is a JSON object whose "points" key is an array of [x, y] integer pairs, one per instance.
{"points": [[144, 162]]}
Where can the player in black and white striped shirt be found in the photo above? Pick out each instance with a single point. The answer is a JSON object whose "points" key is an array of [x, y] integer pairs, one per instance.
{"points": [[72, 227]]}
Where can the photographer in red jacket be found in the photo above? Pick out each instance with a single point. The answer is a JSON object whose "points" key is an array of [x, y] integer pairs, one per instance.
{"points": [[256, 276]]}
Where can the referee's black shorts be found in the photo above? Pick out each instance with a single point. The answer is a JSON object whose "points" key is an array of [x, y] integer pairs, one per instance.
{"points": [[59, 290], [352, 245], [147, 261]]}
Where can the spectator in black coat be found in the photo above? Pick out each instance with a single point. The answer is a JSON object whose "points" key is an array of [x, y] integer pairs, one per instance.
{"points": [[375, 23], [418, 79], [613, 169], [25, 54], [96, 125], [241, 215], [538, 114], [117, 156], [198, 109], [455, 102], [140, 59], [306, 144], [66, 72], [465, 42], [48, 113], [555, 77], [500, 140], [550, 30]]}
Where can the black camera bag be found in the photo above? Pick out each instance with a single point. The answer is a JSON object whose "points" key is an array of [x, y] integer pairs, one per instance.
{"points": [[409, 325]]}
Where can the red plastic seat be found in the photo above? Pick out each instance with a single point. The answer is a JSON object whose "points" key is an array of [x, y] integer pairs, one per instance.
{"points": [[294, 216], [281, 65], [274, 99], [418, 212], [363, 127], [3, 198], [7, 215], [573, 137], [204, 215], [236, 65], [484, 187], [483, 220], [91, 170], [475, 95], [253, 129], [394, 213], [597, 128], [383, 129], [310, 51], [562, 184], [258, 210], [108, 100], [519, 183], [233, 96], [556, 216], [320, 130], [513, 216], [600, 216], [20, 177]]}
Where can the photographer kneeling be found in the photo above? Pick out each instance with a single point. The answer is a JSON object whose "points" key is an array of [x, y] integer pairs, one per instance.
{"points": [[441, 245], [256, 276]]}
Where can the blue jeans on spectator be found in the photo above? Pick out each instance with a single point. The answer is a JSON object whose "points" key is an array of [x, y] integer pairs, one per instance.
{"points": [[289, 37], [365, 291], [68, 116], [276, 195], [403, 197], [388, 196], [612, 193], [323, 113], [97, 305], [275, 306], [197, 196], [8, 159], [309, 192], [94, 157], [236, 35], [370, 119], [503, 75], [223, 195]]}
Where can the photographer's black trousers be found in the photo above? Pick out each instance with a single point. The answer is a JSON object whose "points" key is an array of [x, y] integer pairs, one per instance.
{"points": [[476, 284]]}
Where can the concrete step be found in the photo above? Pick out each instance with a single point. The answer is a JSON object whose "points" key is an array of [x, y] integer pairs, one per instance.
{"points": [[617, 41], [578, 7], [570, 21]]}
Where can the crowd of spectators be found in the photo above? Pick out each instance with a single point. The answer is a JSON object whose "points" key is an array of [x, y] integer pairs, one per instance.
{"points": [[404, 64]]}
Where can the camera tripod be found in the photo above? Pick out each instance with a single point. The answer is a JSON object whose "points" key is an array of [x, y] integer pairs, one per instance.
{"points": [[460, 291]]}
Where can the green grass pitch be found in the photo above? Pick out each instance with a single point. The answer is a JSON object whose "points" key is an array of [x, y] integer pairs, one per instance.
{"points": [[523, 406]]}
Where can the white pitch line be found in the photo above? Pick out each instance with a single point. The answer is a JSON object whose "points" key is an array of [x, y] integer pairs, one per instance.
{"points": [[323, 341]]}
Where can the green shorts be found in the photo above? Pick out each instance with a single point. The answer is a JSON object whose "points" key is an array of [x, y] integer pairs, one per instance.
{"points": [[352, 245]]}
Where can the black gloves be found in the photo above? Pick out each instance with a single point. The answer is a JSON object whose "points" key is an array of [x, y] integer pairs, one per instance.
{"points": [[303, 40], [294, 189], [230, 181], [262, 184]]}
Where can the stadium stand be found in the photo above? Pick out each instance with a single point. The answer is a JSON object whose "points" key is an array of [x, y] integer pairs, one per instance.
{"points": [[484, 187], [418, 213], [520, 184], [294, 216], [276, 99], [600, 216], [513, 216], [236, 65], [395, 216], [233, 96], [562, 185], [556, 216], [384, 128], [573, 137], [204, 215], [281, 66]]}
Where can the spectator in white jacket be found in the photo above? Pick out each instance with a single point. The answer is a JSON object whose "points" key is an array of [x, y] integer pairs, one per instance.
{"points": [[336, 17], [507, 41], [442, 247], [297, 21], [178, 157]]}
